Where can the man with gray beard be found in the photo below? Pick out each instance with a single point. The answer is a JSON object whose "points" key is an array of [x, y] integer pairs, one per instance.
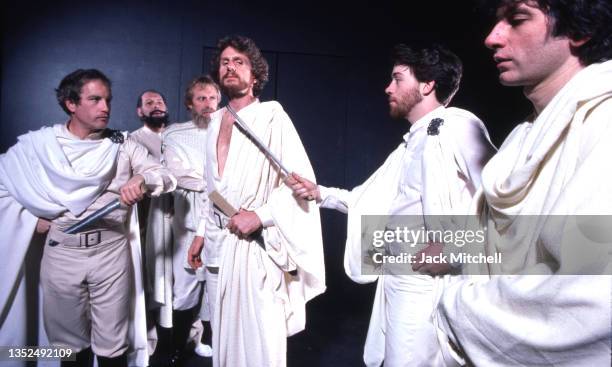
{"points": [[184, 154]]}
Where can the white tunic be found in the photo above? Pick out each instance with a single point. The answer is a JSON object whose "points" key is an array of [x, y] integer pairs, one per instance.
{"points": [[52, 174], [258, 303], [558, 164], [184, 153], [427, 174]]}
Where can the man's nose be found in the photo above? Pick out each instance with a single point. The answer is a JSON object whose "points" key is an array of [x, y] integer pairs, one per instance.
{"points": [[388, 89], [495, 38]]}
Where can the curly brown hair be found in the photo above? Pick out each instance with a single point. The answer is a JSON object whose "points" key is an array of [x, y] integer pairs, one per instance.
{"points": [[244, 45]]}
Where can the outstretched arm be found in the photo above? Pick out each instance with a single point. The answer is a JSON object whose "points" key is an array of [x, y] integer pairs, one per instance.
{"points": [[303, 188]]}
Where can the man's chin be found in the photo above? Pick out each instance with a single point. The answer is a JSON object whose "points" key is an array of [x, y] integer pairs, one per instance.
{"points": [[506, 79], [101, 124], [235, 91], [396, 114], [201, 120]]}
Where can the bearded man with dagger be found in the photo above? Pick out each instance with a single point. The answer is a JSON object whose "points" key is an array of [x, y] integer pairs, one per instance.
{"points": [[263, 247]]}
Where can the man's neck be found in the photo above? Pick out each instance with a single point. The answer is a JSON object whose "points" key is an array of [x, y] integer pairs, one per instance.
{"points": [[78, 130], [155, 129], [542, 93], [241, 102], [423, 108]]}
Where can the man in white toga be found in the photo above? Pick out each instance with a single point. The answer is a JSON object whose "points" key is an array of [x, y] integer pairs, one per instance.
{"points": [[546, 198], [434, 171], [268, 256]]}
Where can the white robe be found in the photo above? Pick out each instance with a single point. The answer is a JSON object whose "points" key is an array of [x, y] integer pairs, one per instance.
{"points": [[41, 178], [258, 303], [158, 238], [558, 164], [184, 154], [450, 173]]}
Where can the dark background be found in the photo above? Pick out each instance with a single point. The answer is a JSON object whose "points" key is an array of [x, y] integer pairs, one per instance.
{"points": [[329, 66]]}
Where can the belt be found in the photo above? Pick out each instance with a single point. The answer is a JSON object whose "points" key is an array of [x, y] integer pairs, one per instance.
{"points": [[86, 238]]}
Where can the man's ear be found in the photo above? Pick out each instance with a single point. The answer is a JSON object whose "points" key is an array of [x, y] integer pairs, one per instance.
{"points": [[577, 43], [139, 112], [428, 87], [71, 106]]}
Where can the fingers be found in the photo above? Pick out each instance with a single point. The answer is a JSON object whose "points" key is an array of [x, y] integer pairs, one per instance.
{"points": [[194, 261], [193, 255], [418, 264], [243, 223], [42, 226], [233, 228], [301, 187], [133, 191], [296, 177], [290, 180]]}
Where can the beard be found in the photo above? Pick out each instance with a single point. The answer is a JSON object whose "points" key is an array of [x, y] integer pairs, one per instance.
{"points": [[156, 121], [404, 103], [236, 90], [200, 120], [202, 117]]}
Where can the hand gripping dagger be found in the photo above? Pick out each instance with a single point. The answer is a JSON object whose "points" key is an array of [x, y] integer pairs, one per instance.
{"points": [[94, 217], [226, 208]]}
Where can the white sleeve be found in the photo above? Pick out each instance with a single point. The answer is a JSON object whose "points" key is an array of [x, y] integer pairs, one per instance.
{"points": [[334, 198]]}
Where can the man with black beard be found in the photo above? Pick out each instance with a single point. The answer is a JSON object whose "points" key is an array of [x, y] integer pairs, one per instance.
{"points": [[153, 112], [434, 171]]}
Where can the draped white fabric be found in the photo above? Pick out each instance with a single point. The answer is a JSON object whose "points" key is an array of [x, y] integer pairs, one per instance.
{"points": [[555, 165], [258, 302], [61, 174]]}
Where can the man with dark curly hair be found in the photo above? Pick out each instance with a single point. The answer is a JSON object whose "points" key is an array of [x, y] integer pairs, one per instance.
{"points": [[545, 198], [266, 261], [434, 171]]}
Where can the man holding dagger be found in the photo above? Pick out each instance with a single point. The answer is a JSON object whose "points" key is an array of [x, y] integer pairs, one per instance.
{"points": [[55, 177], [261, 285]]}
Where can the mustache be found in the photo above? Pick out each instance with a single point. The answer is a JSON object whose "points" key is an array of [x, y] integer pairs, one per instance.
{"points": [[230, 73]]}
